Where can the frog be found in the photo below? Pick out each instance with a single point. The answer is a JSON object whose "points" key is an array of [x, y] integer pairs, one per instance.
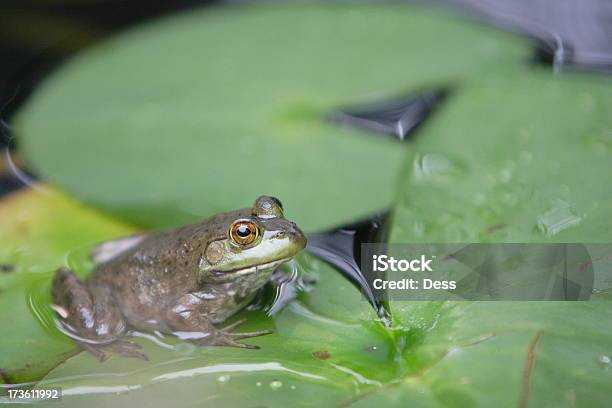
{"points": [[185, 281]]}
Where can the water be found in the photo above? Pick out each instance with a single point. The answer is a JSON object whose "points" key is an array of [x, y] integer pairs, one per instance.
{"points": [[427, 166], [223, 378], [38, 300], [275, 385], [287, 282], [558, 217]]}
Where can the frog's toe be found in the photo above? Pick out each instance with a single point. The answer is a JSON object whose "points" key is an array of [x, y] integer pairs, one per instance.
{"points": [[231, 339], [231, 342], [238, 336], [122, 348], [223, 338], [96, 350], [232, 326], [127, 348]]}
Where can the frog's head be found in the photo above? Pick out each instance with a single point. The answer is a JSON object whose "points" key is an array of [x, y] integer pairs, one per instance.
{"points": [[252, 242]]}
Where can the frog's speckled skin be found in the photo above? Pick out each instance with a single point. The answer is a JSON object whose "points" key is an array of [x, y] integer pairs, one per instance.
{"points": [[175, 281]]}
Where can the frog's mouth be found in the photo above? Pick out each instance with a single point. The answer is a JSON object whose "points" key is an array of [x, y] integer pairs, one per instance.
{"points": [[232, 274]]}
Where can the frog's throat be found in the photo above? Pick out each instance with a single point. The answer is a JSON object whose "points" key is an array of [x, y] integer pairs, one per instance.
{"points": [[232, 274]]}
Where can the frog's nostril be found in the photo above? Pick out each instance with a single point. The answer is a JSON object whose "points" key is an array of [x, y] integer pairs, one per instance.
{"points": [[296, 231], [280, 234]]}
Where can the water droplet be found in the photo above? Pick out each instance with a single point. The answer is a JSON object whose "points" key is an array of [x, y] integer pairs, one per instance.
{"points": [[560, 216], [605, 360], [429, 165], [275, 385], [258, 384], [418, 228], [293, 387], [223, 378]]}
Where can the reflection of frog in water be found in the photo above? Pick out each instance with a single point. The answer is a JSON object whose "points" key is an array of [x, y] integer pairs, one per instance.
{"points": [[180, 281]]}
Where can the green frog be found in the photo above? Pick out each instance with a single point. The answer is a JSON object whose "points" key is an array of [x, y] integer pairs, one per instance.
{"points": [[184, 281]]}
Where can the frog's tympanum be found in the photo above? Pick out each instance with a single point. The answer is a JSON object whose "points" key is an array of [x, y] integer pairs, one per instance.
{"points": [[182, 281]]}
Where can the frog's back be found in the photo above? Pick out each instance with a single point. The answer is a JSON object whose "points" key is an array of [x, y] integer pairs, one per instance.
{"points": [[152, 274]]}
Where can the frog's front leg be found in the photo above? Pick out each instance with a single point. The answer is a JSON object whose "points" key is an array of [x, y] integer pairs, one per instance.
{"points": [[187, 321], [90, 317]]}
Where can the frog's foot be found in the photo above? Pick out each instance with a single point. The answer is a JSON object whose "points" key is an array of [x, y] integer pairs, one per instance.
{"points": [[90, 316], [232, 337], [124, 348], [223, 337]]}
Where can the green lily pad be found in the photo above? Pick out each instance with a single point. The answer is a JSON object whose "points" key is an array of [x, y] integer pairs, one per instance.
{"points": [[446, 354], [484, 354], [530, 172], [38, 230], [202, 112], [514, 157]]}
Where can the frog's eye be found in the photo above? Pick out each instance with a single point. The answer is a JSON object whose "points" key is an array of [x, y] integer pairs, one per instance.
{"points": [[244, 232]]}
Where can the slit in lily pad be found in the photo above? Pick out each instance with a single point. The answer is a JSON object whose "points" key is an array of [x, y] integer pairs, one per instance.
{"points": [[397, 118], [563, 57], [553, 51], [341, 248]]}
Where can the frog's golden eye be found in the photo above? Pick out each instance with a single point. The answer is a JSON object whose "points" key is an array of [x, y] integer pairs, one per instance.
{"points": [[244, 232]]}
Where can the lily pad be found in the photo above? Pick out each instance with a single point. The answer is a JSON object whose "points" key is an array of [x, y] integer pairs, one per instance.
{"points": [[530, 172], [38, 230], [445, 354], [201, 112], [483, 354], [514, 157]]}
